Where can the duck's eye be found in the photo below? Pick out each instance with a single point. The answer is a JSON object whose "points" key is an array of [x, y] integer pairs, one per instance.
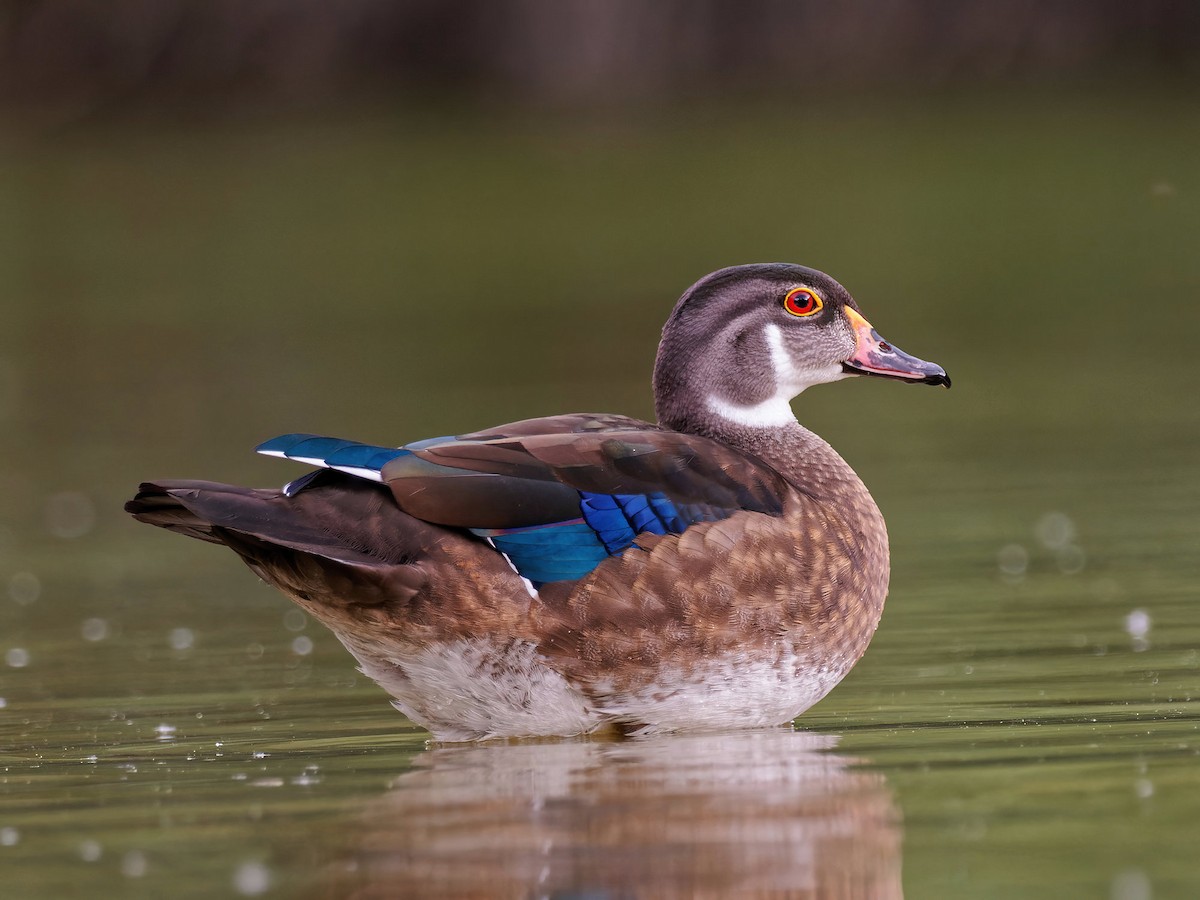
{"points": [[802, 302]]}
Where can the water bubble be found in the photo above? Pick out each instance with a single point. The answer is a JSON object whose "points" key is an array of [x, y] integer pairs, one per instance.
{"points": [[24, 587], [302, 645], [181, 638], [255, 650], [1137, 626], [1013, 560], [1132, 884], [17, 657], [1055, 530], [1137, 623], [9, 836], [70, 514], [90, 851], [134, 864], [294, 620], [251, 879], [94, 629], [1071, 559]]}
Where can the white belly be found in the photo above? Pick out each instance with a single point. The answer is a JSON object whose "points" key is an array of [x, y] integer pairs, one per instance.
{"points": [[477, 688]]}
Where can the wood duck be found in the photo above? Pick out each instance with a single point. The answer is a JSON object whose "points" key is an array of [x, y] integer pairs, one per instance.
{"points": [[577, 573]]}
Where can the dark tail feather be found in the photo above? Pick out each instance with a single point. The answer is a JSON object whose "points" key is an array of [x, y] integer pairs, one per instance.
{"points": [[353, 525], [154, 504], [211, 511]]}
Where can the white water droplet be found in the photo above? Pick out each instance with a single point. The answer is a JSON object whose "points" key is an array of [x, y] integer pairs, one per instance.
{"points": [[90, 851], [1055, 530], [1071, 559], [17, 657], [9, 836], [1132, 884], [24, 587], [302, 645], [70, 514], [181, 638], [1013, 560], [94, 629], [251, 879], [1137, 623], [134, 864]]}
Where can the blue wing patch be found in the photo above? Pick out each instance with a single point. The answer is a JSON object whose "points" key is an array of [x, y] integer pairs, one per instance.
{"points": [[352, 457], [567, 550], [619, 518], [560, 551]]}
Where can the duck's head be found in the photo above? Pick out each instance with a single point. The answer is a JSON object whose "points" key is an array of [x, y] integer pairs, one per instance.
{"points": [[743, 341]]}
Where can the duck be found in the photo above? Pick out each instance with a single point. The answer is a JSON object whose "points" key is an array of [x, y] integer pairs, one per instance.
{"points": [[720, 568]]}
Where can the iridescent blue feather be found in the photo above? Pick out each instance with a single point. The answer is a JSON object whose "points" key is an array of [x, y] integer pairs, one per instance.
{"points": [[563, 550]]}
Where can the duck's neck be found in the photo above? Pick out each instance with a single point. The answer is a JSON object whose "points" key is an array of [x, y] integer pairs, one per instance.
{"points": [[807, 461]]}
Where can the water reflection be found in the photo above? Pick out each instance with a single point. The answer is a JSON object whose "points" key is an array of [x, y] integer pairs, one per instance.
{"points": [[731, 815]]}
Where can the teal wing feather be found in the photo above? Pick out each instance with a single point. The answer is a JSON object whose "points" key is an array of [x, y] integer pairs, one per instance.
{"points": [[556, 495]]}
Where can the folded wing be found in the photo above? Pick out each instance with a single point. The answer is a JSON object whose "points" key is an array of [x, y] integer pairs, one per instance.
{"points": [[556, 495]]}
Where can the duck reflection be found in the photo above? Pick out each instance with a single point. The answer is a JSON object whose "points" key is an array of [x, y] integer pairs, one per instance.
{"points": [[758, 814]]}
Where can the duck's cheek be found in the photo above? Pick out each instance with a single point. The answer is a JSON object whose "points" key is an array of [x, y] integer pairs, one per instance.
{"points": [[794, 369]]}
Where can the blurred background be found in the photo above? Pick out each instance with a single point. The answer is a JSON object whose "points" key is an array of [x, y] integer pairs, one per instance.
{"points": [[222, 221]]}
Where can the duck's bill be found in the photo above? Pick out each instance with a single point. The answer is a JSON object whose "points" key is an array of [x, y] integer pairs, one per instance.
{"points": [[875, 356]]}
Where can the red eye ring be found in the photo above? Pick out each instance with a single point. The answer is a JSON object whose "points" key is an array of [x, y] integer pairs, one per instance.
{"points": [[802, 302]]}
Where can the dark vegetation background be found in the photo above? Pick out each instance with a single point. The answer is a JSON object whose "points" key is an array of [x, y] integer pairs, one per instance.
{"points": [[78, 57]]}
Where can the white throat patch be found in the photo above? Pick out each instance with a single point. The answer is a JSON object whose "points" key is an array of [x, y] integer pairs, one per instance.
{"points": [[789, 381]]}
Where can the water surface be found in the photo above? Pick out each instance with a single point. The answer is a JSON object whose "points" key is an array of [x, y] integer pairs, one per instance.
{"points": [[1023, 725]]}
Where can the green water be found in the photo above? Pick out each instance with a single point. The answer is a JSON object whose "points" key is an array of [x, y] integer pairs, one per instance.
{"points": [[1025, 723]]}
